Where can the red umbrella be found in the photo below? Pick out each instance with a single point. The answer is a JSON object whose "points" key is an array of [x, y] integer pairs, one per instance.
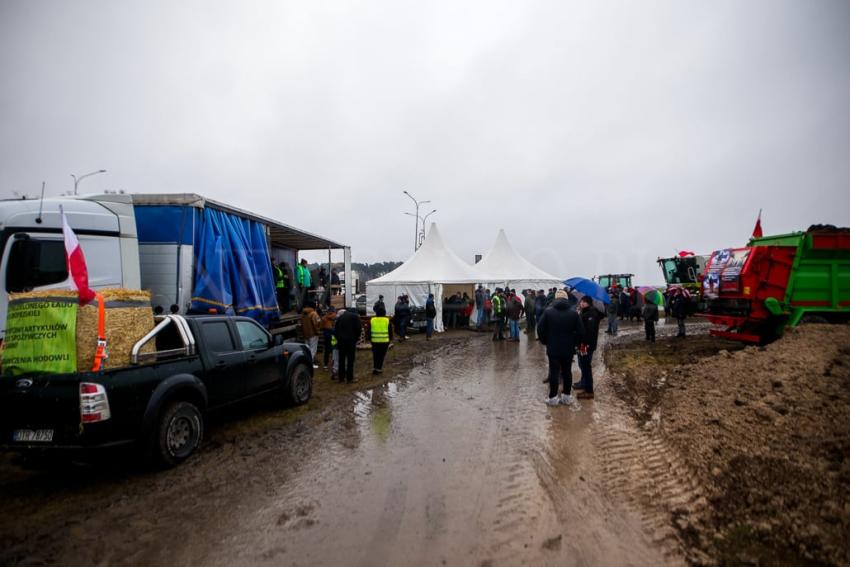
{"points": [[677, 289]]}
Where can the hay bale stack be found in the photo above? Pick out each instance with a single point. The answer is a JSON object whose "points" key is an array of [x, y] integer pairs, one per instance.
{"points": [[128, 318]]}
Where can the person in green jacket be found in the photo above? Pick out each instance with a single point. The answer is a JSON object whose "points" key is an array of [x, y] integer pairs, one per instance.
{"points": [[303, 282]]}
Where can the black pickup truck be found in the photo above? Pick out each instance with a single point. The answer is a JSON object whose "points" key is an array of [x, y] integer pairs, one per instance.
{"points": [[183, 369]]}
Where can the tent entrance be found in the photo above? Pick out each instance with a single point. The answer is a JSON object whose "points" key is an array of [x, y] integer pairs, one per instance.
{"points": [[451, 289]]}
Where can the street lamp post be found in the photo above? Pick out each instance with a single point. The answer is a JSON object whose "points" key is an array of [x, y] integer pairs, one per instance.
{"points": [[416, 228], [80, 178], [422, 232]]}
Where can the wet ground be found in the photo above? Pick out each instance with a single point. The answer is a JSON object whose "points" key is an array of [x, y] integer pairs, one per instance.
{"points": [[451, 459]]}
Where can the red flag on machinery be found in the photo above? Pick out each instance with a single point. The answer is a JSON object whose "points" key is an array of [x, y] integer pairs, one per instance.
{"points": [[76, 262], [757, 233]]}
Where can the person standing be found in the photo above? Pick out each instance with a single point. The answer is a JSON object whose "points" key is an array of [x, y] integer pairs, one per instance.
{"points": [[328, 321], [590, 319], [379, 304], [347, 331], [539, 304], [430, 315], [280, 286], [513, 311], [613, 308], [479, 306], [488, 308], [530, 315], [303, 281], [467, 310], [499, 314], [335, 283], [380, 335], [561, 330], [679, 309], [310, 327], [401, 317], [650, 317]]}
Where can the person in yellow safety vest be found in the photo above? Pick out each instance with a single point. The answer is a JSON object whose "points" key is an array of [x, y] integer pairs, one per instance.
{"points": [[380, 335], [335, 363], [281, 285], [499, 313]]}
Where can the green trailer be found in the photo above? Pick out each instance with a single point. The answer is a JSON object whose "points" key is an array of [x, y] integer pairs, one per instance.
{"points": [[779, 281]]}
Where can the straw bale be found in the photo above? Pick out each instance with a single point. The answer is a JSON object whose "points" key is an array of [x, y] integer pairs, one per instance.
{"points": [[126, 323]]}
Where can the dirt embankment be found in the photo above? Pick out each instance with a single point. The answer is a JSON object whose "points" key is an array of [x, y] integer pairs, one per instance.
{"points": [[765, 429]]}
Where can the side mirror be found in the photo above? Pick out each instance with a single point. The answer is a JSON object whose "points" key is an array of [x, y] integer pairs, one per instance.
{"points": [[277, 340]]}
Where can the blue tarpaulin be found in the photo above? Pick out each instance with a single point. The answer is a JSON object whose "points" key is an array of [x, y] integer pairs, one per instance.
{"points": [[232, 267]]}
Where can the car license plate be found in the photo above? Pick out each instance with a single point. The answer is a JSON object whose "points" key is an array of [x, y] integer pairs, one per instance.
{"points": [[32, 435]]}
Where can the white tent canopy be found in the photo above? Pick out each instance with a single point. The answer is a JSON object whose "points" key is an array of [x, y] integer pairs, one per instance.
{"points": [[503, 267], [431, 269]]}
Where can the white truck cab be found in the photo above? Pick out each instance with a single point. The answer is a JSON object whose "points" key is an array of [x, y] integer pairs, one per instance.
{"points": [[32, 249]]}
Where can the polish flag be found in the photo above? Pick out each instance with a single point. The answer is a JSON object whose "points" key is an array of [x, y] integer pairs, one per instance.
{"points": [[76, 262], [757, 233]]}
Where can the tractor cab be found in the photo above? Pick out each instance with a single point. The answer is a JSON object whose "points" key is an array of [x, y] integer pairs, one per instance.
{"points": [[607, 281]]}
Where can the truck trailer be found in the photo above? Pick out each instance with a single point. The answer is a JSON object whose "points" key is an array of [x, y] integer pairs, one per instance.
{"points": [[754, 293], [195, 255]]}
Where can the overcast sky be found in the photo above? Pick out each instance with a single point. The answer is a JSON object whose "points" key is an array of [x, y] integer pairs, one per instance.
{"points": [[599, 135]]}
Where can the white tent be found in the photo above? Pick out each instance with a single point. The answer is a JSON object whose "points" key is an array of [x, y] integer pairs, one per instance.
{"points": [[432, 269], [503, 267]]}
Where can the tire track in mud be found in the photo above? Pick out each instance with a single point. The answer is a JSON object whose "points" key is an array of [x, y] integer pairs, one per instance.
{"points": [[515, 518], [642, 471], [638, 467]]}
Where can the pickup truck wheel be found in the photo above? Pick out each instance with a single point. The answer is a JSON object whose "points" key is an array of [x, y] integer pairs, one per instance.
{"points": [[300, 385], [181, 428]]}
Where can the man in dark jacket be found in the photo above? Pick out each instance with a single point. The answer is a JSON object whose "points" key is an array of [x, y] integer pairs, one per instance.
{"points": [[561, 330], [379, 304], [650, 317], [679, 310], [347, 330], [530, 318], [539, 304], [590, 318], [401, 316]]}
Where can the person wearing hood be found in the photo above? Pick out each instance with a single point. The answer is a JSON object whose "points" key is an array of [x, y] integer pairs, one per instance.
{"points": [[561, 330]]}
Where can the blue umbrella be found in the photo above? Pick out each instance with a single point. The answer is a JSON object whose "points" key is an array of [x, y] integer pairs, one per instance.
{"points": [[588, 287]]}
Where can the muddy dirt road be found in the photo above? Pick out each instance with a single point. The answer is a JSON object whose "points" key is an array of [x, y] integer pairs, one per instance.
{"points": [[454, 462]]}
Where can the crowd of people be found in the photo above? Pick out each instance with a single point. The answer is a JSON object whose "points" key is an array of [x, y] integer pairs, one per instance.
{"points": [[568, 328], [293, 290]]}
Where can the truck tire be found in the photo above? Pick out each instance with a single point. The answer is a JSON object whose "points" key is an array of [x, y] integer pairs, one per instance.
{"points": [[178, 433], [300, 386]]}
